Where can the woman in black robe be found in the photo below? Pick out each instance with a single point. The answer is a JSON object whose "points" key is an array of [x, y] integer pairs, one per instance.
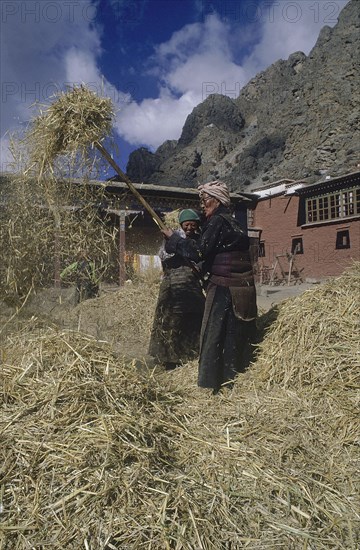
{"points": [[179, 311]]}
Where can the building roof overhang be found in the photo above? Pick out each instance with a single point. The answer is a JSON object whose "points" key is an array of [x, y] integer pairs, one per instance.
{"points": [[333, 184], [152, 190], [281, 187]]}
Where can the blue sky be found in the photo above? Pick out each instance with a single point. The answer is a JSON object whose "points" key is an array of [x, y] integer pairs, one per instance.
{"points": [[157, 59]]}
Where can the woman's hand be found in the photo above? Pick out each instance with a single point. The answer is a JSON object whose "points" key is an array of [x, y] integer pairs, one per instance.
{"points": [[167, 233]]}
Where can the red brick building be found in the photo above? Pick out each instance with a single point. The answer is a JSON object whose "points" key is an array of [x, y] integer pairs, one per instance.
{"points": [[312, 229]]}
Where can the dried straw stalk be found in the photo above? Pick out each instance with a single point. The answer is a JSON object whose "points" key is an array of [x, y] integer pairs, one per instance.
{"points": [[171, 219]]}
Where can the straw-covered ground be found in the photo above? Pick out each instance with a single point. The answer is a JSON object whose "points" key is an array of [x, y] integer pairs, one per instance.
{"points": [[99, 454]]}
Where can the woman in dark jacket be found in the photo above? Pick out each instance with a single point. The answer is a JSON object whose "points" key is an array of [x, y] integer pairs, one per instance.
{"points": [[179, 311], [230, 309]]}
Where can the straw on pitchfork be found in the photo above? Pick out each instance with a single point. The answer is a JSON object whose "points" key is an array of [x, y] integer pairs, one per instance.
{"points": [[76, 121]]}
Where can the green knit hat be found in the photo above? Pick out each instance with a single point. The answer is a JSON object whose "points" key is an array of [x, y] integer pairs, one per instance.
{"points": [[188, 215]]}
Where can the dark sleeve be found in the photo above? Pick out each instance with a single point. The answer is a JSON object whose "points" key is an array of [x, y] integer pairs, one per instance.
{"points": [[211, 239], [186, 248]]}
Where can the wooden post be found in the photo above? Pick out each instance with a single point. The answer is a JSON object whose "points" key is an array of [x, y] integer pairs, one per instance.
{"points": [[272, 276], [122, 274], [291, 259]]}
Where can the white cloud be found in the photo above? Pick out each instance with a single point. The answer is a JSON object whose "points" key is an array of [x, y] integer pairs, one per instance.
{"points": [[290, 26], [80, 66], [153, 121], [201, 59], [196, 61], [199, 55], [44, 45]]}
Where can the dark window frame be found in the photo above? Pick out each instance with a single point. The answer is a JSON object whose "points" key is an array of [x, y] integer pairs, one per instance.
{"points": [[297, 242], [333, 206], [342, 239], [262, 252]]}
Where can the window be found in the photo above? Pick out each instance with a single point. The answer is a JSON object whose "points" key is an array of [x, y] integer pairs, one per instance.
{"points": [[333, 206], [323, 208], [297, 246], [262, 249], [343, 239], [348, 203]]}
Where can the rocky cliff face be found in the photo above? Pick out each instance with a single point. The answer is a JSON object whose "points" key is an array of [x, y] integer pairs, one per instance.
{"points": [[298, 119]]}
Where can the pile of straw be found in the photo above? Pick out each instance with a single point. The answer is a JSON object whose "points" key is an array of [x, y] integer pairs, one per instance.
{"points": [[24, 228], [42, 219], [70, 125], [100, 455], [123, 318], [83, 435], [315, 339]]}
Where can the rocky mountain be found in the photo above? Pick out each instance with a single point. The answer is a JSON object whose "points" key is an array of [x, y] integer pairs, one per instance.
{"points": [[298, 119]]}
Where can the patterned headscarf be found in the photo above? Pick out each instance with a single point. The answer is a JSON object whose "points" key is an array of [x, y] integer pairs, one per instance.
{"points": [[217, 189]]}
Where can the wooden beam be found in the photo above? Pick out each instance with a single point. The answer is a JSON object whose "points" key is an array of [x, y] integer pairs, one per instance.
{"points": [[122, 272]]}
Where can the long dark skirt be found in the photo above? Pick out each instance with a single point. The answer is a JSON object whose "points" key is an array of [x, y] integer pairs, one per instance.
{"points": [[176, 328], [225, 340]]}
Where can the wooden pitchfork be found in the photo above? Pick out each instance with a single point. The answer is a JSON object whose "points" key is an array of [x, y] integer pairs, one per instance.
{"points": [[135, 192]]}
